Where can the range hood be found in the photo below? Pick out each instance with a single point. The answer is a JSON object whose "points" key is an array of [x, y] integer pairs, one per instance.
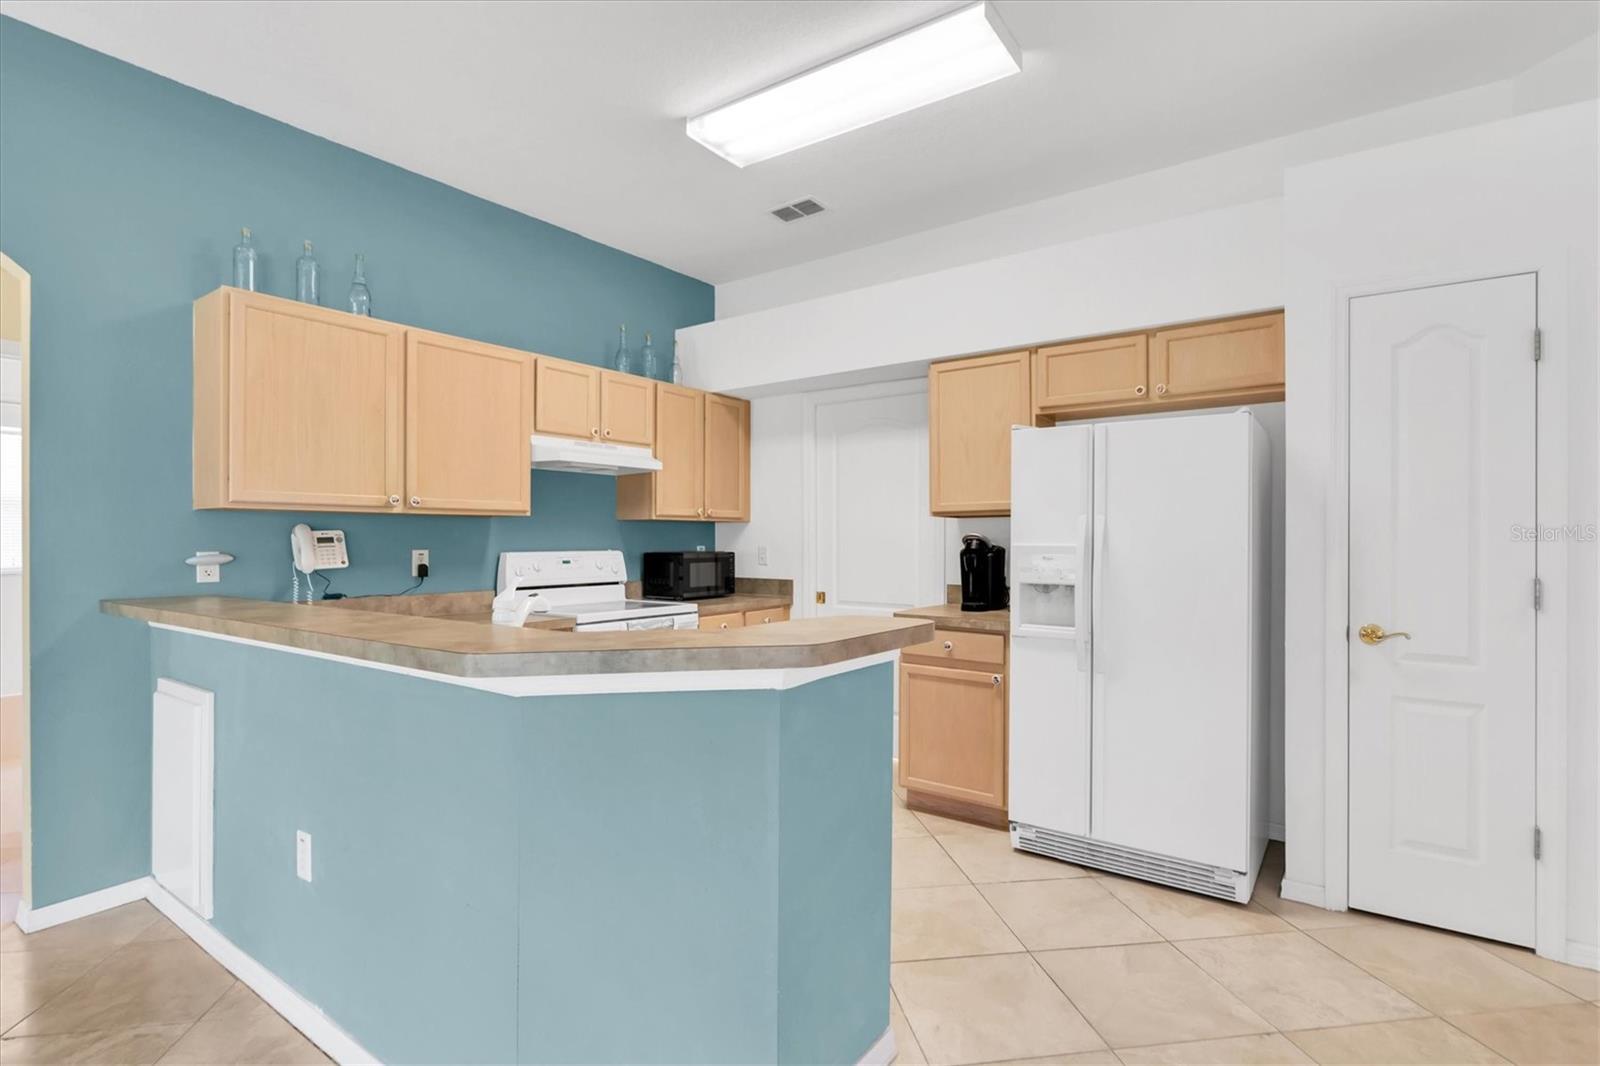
{"points": [[591, 456]]}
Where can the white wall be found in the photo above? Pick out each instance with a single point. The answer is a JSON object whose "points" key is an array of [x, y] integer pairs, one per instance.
{"points": [[1511, 196]]}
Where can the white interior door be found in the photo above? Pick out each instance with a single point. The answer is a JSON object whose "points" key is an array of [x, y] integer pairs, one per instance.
{"points": [[1442, 463], [876, 548]]}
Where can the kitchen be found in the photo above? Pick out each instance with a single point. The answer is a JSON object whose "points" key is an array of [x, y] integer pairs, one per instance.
{"points": [[591, 678]]}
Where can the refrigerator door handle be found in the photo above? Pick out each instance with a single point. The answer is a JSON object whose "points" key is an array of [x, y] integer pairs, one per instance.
{"points": [[1081, 613], [1096, 569]]}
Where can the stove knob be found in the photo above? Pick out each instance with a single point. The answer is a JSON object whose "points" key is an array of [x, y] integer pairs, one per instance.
{"points": [[615, 566], [538, 566]]}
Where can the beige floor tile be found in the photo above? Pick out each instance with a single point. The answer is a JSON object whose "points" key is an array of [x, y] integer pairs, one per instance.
{"points": [[163, 982], [907, 1052], [988, 1009], [1073, 913], [122, 1046], [1262, 1048], [1179, 915], [160, 929], [242, 1028], [919, 862], [1564, 1034], [1079, 1058], [989, 857], [945, 921], [1420, 1040], [1446, 974], [1301, 915], [105, 931], [29, 979], [940, 826], [1585, 984], [906, 824], [1141, 994], [1295, 983]]}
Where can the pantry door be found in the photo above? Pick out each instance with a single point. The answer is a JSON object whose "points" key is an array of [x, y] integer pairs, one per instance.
{"points": [[1442, 611]]}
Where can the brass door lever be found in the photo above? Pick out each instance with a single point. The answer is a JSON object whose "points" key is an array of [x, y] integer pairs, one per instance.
{"points": [[1372, 633]]}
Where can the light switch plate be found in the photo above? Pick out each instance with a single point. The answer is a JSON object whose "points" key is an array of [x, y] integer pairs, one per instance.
{"points": [[302, 854], [761, 555]]}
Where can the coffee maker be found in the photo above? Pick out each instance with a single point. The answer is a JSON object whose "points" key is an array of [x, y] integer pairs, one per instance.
{"points": [[983, 575]]}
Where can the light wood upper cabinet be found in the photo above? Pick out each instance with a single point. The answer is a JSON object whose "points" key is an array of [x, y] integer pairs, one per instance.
{"points": [[1231, 359], [1100, 371], [727, 463], [567, 399], [469, 412], [627, 409], [295, 406], [953, 733], [972, 405]]}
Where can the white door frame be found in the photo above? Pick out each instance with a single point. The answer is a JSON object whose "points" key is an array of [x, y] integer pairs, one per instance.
{"points": [[1550, 706], [807, 592]]}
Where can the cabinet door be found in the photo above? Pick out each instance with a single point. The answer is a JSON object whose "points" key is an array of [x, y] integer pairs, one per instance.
{"points": [[723, 621], [314, 406], [680, 484], [761, 618], [972, 405], [1239, 355], [1100, 371], [567, 399], [469, 411], [953, 733], [727, 459], [627, 409]]}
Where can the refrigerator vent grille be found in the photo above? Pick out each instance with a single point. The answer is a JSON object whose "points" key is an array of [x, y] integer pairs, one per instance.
{"points": [[1131, 862]]}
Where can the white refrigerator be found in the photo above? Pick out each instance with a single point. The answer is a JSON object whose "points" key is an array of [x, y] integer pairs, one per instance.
{"points": [[1139, 575]]}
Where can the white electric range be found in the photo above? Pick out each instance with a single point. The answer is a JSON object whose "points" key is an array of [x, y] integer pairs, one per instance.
{"points": [[590, 587]]}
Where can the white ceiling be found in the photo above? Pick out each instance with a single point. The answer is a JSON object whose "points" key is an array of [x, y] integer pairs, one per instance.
{"points": [[573, 112]]}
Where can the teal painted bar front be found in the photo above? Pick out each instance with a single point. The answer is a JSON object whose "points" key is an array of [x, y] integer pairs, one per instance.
{"points": [[656, 877]]}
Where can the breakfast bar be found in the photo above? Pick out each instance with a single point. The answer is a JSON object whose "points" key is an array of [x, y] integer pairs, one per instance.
{"points": [[642, 846]]}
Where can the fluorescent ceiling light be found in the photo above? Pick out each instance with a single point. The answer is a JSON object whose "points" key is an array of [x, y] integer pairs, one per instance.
{"points": [[951, 54]]}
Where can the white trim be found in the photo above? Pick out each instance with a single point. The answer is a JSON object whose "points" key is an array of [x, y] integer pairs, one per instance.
{"points": [[585, 684], [300, 1012], [31, 921], [882, 1051], [11, 349], [1301, 892], [1585, 955], [1276, 832]]}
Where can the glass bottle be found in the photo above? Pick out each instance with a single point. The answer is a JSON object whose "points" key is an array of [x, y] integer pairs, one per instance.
{"points": [[624, 358], [677, 367], [306, 282], [244, 262], [647, 358], [360, 295]]}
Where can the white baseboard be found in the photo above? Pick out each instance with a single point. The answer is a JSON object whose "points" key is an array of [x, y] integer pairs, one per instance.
{"points": [[1300, 892], [1585, 955], [1275, 832], [31, 921], [882, 1051]]}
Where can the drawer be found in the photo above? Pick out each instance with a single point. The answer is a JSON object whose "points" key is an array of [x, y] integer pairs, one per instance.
{"points": [[771, 614], [722, 621], [955, 645]]}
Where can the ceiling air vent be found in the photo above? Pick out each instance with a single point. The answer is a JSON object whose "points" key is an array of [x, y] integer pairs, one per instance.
{"points": [[797, 210]]}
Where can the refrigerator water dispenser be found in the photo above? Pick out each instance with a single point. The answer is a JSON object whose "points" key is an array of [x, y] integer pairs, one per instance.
{"points": [[1045, 584]]}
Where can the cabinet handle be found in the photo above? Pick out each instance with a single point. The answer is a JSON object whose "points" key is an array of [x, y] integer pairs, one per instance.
{"points": [[594, 431], [995, 680], [1161, 390], [394, 501], [724, 625], [948, 646], [1138, 390], [701, 511], [416, 501], [765, 620], [608, 433]]}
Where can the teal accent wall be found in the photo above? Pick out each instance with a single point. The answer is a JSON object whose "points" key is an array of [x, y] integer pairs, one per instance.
{"points": [[654, 878], [122, 193]]}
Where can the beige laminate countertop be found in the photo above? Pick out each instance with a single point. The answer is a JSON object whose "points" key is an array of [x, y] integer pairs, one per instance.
{"points": [[466, 648], [951, 616], [739, 603]]}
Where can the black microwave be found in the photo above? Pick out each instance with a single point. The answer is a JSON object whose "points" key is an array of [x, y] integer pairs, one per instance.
{"points": [[687, 575]]}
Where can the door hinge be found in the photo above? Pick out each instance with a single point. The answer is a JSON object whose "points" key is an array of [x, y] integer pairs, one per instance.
{"points": [[1538, 594], [1538, 344], [822, 597], [1538, 842]]}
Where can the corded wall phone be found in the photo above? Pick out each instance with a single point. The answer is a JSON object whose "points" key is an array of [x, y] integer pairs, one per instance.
{"points": [[316, 549]]}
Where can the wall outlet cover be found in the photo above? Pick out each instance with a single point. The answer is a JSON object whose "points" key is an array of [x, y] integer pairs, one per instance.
{"points": [[208, 574], [419, 557]]}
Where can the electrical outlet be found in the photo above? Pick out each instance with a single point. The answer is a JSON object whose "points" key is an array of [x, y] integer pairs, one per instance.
{"points": [[208, 574], [761, 555], [302, 854], [419, 557]]}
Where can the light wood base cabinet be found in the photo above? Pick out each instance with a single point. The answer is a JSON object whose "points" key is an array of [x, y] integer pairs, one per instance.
{"points": [[953, 733]]}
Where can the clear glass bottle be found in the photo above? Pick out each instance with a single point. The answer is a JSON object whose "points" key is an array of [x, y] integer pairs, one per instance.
{"points": [[677, 366], [647, 358], [244, 262], [360, 295], [307, 287], [624, 358]]}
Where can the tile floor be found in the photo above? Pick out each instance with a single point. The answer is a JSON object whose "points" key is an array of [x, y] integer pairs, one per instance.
{"points": [[996, 957], [126, 986], [1003, 957]]}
